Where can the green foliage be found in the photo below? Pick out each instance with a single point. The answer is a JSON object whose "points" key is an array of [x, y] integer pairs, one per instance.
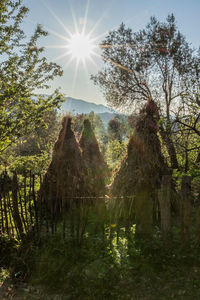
{"points": [[114, 129], [37, 164], [118, 128], [33, 151], [115, 152], [42, 138], [22, 71], [4, 274]]}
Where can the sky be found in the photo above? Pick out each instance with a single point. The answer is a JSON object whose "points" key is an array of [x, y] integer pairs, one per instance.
{"points": [[59, 17]]}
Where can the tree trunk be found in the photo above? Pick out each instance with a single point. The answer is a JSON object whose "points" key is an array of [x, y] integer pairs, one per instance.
{"points": [[186, 161], [198, 158], [170, 148]]}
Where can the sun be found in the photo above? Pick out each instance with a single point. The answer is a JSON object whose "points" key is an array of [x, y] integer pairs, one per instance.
{"points": [[80, 46]]}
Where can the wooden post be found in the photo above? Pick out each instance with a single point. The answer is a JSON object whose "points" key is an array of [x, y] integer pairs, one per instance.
{"points": [[10, 214], [25, 202], [41, 204], [30, 194], [2, 218], [21, 210], [64, 226], [35, 203], [185, 209], [144, 212], [5, 204], [198, 219], [16, 215], [164, 198]]}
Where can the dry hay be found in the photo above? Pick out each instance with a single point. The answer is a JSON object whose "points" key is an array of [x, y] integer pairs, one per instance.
{"points": [[93, 160], [141, 170], [144, 163], [65, 180]]}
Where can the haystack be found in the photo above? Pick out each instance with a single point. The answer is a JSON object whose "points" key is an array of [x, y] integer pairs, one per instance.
{"points": [[65, 180], [93, 160], [144, 162], [142, 169]]}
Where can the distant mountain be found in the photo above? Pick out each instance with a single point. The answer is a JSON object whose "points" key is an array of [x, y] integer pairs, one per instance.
{"points": [[79, 106]]}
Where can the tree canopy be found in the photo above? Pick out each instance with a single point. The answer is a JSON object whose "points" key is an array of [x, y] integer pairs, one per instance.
{"points": [[156, 63], [23, 72]]}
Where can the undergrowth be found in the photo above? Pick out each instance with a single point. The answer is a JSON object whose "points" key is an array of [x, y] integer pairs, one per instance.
{"points": [[106, 264], [125, 269]]}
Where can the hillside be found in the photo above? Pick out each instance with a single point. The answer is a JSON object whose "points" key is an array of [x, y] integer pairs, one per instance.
{"points": [[79, 106]]}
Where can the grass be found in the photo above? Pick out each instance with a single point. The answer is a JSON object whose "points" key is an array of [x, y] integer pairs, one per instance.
{"points": [[129, 269], [109, 264]]}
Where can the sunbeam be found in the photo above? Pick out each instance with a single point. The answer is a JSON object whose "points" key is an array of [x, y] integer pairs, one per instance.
{"points": [[61, 56], [93, 62], [62, 37], [85, 18], [68, 62], [74, 18], [57, 18]]}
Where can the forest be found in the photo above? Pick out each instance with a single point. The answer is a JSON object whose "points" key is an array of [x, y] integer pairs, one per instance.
{"points": [[89, 211]]}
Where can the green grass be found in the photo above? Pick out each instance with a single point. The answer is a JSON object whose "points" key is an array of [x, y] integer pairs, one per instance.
{"points": [[109, 264], [129, 269]]}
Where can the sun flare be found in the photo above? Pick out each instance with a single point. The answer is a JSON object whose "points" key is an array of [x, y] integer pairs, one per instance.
{"points": [[80, 46]]}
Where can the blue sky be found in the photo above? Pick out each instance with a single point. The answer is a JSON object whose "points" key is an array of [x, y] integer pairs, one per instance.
{"points": [[107, 15]]}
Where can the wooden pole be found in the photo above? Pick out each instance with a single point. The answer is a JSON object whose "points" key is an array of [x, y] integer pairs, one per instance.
{"points": [[185, 209], [16, 215], [5, 211], [35, 203], [144, 212], [2, 218], [22, 210], [29, 204], [10, 210], [164, 197], [25, 202]]}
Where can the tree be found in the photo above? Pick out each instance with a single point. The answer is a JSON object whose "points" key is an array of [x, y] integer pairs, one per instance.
{"points": [[118, 128], [152, 64], [41, 138], [186, 121], [114, 131], [115, 152], [22, 71]]}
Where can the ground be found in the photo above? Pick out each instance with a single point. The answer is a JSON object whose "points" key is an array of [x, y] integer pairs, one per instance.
{"points": [[23, 291]]}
